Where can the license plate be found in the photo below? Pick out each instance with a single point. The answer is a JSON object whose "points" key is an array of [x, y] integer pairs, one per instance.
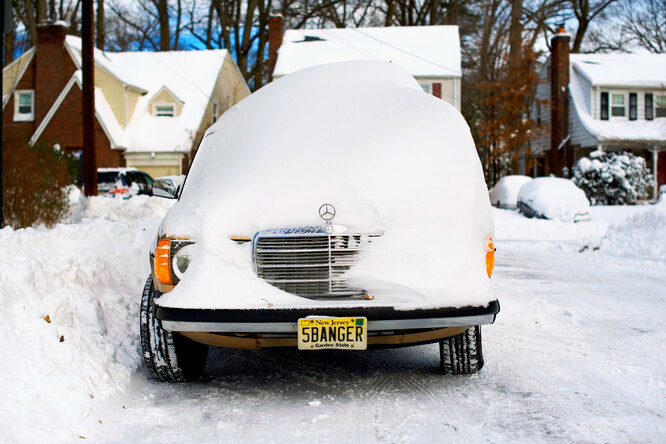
{"points": [[340, 333]]}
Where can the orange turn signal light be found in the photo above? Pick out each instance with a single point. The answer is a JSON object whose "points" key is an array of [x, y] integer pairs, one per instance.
{"points": [[163, 261], [490, 257]]}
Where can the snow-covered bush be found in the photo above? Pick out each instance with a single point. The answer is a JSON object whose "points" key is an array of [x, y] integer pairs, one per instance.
{"points": [[612, 178]]}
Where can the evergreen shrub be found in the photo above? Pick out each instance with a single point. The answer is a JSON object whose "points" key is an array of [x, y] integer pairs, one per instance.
{"points": [[612, 178]]}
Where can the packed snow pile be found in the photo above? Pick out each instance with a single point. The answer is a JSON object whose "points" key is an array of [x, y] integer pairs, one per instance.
{"points": [[364, 137], [641, 236], [612, 179], [505, 193], [553, 198], [69, 320]]}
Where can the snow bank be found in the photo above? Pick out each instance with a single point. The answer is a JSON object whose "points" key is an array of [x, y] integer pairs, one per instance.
{"points": [[505, 193], [69, 320], [364, 137], [555, 198], [640, 237]]}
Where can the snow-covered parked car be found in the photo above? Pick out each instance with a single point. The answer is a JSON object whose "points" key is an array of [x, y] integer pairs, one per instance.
{"points": [[553, 198], [337, 207], [505, 192], [125, 182]]}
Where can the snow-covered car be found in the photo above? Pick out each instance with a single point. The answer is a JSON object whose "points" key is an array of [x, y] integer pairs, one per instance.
{"points": [[553, 198], [337, 207], [125, 182], [505, 192]]}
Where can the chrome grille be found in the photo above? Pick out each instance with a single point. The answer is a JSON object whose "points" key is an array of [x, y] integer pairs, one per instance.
{"points": [[309, 265]]}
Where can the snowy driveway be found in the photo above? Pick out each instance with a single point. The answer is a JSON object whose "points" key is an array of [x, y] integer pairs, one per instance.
{"points": [[576, 355]]}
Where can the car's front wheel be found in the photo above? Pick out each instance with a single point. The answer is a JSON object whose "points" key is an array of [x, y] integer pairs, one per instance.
{"points": [[169, 357], [462, 354]]}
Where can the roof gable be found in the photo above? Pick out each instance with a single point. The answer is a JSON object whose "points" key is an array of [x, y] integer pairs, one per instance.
{"points": [[12, 74], [165, 94]]}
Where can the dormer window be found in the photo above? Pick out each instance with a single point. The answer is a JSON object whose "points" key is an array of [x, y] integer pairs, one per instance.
{"points": [[164, 109], [24, 105]]}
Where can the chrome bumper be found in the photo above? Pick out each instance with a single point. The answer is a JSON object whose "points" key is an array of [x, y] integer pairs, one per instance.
{"points": [[291, 327]]}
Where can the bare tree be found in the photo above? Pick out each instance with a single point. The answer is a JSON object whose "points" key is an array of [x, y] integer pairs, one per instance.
{"points": [[585, 11], [645, 24], [100, 33]]}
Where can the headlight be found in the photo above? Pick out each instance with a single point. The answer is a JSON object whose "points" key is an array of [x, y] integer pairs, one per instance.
{"points": [[172, 257], [181, 259]]}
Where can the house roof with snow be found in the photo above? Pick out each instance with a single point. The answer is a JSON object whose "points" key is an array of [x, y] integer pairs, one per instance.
{"points": [[424, 51], [621, 70], [620, 74], [128, 87], [188, 77]]}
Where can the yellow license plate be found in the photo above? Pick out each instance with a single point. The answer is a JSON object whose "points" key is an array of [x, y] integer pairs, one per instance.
{"points": [[340, 333]]}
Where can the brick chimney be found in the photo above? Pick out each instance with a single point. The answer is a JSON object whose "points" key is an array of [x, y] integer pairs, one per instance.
{"points": [[560, 155], [275, 33], [53, 66]]}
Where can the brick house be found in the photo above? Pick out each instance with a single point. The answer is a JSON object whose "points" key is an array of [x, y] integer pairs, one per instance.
{"points": [[151, 108], [430, 53], [614, 102]]}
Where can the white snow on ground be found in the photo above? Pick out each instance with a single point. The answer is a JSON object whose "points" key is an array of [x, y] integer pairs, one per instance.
{"points": [[576, 354], [68, 324]]}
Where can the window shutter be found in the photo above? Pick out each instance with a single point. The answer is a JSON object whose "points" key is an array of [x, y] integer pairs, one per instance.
{"points": [[604, 106], [633, 106], [437, 90], [649, 113]]}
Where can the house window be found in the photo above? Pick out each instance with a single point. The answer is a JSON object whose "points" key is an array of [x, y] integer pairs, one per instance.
{"points": [[437, 90], [660, 106], [216, 110], [426, 87], [633, 106], [164, 109], [603, 111], [24, 105], [618, 108], [649, 115]]}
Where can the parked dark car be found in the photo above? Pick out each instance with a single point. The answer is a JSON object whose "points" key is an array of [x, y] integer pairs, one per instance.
{"points": [[125, 182]]}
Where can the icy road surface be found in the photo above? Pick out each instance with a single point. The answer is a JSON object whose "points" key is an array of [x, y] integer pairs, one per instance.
{"points": [[577, 354]]}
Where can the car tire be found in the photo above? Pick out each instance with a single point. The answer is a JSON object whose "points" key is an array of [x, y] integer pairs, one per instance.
{"points": [[169, 356], [462, 354]]}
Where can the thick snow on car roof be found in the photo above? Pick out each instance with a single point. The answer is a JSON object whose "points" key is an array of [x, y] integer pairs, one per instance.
{"points": [[364, 137], [505, 192], [555, 198]]}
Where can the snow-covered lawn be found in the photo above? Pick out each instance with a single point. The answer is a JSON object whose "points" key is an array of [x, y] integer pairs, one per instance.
{"points": [[577, 353]]}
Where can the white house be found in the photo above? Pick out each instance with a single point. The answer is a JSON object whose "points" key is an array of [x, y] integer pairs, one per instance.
{"points": [[606, 101], [430, 53]]}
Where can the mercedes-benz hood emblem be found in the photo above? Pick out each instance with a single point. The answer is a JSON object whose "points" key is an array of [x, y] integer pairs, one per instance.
{"points": [[327, 212]]}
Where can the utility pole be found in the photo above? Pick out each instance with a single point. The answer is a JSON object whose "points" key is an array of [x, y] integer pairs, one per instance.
{"points": [[88, 90]]}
